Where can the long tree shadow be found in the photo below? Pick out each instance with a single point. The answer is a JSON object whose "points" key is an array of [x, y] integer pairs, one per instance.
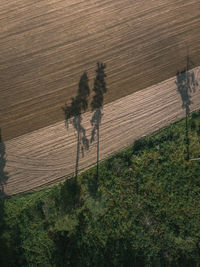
{"points": [[186, 84], [97, 106], [3, 174], [73, 116]]}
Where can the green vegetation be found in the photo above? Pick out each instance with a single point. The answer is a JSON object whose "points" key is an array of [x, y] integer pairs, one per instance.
{"points": [[144, 212]]}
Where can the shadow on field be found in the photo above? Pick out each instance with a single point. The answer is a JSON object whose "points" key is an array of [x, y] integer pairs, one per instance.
{"points": [[3, 174], [186, 85], [73, 116], [97, 107]]}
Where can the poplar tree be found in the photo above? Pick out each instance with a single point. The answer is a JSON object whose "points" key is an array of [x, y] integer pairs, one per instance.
{"points": [[97, 106]]}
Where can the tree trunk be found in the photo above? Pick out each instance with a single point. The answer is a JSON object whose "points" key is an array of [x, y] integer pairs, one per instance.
{"points": [[187, 137], [97, 151]]}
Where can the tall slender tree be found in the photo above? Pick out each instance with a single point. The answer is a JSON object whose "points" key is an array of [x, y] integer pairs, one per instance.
{"points": [[97, 106], [186, 85], [73, 115]]}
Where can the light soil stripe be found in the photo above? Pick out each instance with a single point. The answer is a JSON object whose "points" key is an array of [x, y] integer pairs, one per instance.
{"points": [[45, 155]]}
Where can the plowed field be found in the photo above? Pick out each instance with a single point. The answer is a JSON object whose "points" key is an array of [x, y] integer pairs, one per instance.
{"points": [[46, 45], [41, 157]]}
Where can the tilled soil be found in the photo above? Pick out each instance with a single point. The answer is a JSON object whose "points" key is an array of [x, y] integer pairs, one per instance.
{"points": [[42, 156], [46, 45]]}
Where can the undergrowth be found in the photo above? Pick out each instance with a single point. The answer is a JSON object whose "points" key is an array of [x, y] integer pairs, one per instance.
{"points": [[143, 211]]}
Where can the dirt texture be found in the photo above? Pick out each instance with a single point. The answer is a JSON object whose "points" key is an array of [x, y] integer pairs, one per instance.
{"points": [[46, 45], [42, 156]]}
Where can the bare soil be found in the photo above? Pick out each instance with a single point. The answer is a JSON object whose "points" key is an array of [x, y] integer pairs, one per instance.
{"points": [[42, 156], [46, 45]]}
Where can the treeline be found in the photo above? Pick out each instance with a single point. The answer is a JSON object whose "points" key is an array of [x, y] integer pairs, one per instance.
{"points": [[144, 213]]}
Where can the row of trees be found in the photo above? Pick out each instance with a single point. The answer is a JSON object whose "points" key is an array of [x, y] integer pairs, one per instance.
{"points": [[79, 104]]}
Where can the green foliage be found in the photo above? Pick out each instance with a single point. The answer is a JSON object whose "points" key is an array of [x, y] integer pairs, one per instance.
{"points": [[145, 210]]}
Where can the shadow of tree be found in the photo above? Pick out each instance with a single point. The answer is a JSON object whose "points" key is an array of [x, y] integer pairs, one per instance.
{"points": [[69, 195], [186, 85], [97, 106], [73, 116], [3, 174], [92, 186]]}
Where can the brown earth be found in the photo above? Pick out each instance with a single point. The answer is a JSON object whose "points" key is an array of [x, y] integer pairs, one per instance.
{"points": [[46, 45], [48, 154]]}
